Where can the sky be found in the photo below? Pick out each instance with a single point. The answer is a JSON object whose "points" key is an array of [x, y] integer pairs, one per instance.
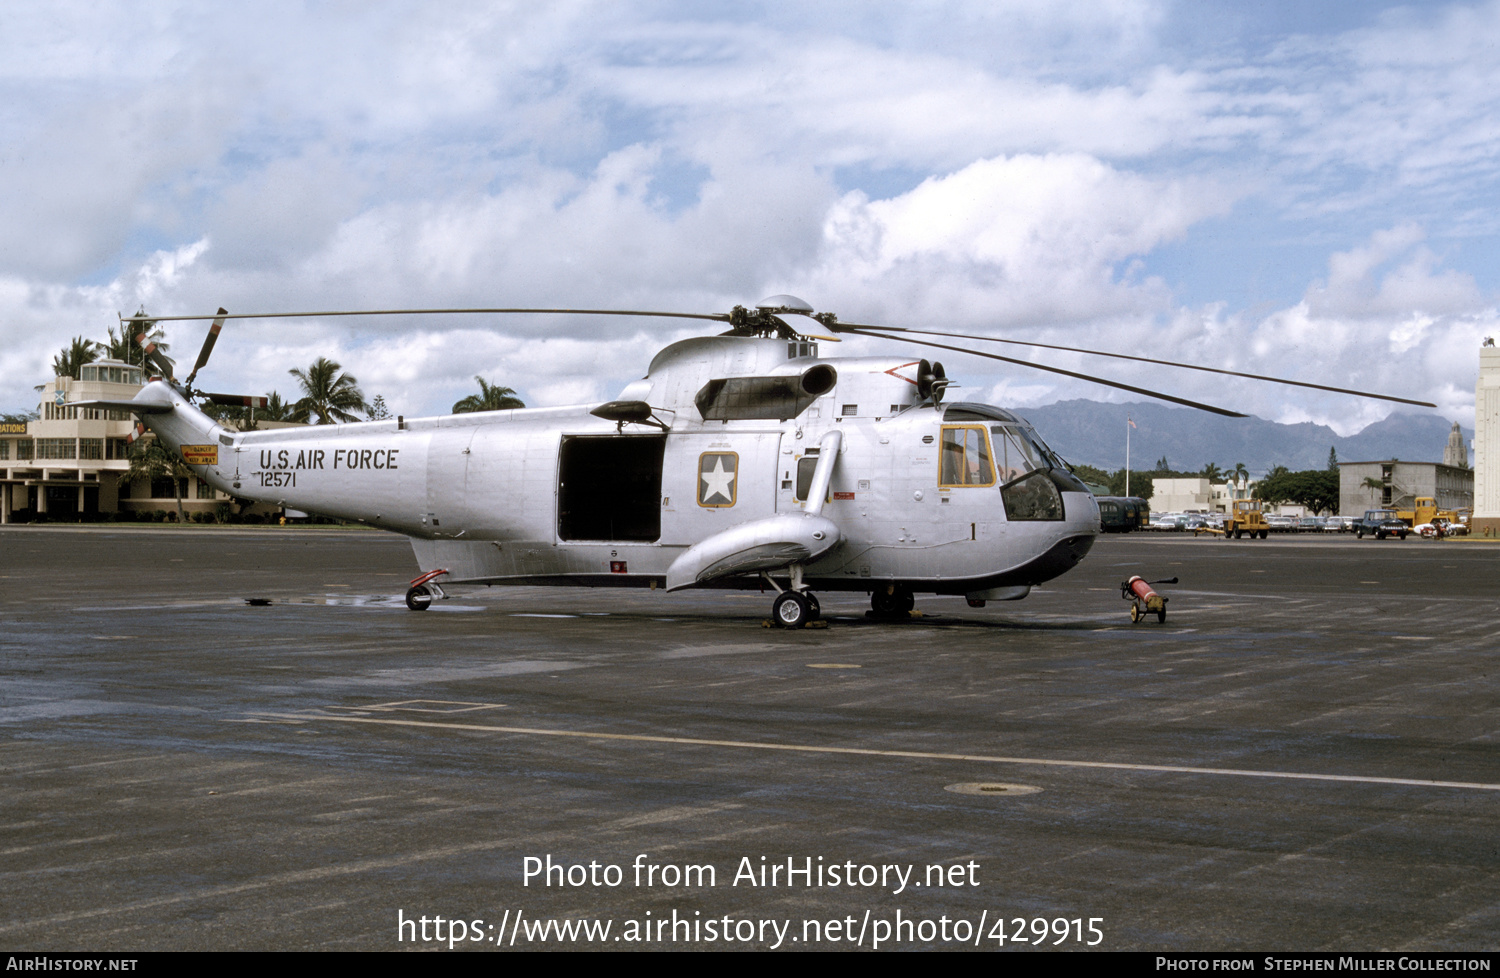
{"points": [[1303, 190]]}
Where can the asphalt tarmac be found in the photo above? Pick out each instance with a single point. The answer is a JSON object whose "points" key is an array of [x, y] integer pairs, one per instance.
{"points": [[1303, 756]]}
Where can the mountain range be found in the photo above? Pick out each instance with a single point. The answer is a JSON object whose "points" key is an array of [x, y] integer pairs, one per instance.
{"points": [[1093, 433]]}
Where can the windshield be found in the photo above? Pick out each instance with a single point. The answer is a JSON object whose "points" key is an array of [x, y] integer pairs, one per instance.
{"points": [[1017, 452]]}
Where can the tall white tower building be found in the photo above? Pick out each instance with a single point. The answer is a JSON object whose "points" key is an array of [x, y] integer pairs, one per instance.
{"points": [[1487, 442]]}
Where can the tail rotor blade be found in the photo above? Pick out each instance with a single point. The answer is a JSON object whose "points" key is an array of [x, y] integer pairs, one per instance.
{"points": [[155, 357], [237, 400], [208, 344]]}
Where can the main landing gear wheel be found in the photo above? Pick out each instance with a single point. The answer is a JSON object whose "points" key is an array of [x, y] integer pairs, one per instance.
{"points": [[792, 609], [418, 598], [892, 602], [814, 610]]}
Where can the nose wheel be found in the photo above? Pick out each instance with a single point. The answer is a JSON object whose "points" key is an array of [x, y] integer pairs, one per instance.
{"points": [[794, 609]]}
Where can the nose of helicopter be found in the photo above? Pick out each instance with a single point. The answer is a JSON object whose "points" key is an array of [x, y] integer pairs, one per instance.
{"points": [[1070, 539]]}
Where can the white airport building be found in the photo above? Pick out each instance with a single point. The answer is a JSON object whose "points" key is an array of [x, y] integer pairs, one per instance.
{"points": [[1193, 495], [71, 463]]}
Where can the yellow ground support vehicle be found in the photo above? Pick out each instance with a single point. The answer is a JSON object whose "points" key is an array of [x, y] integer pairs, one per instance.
{"points": [[1246, 519], [1426, 511]]}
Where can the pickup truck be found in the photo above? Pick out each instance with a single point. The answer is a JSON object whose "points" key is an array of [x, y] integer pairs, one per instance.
{"points": [[1381, 523]]}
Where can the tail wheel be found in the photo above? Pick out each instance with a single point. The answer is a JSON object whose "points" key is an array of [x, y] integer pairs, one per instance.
{"points": [[790, 610], [418, 599]]}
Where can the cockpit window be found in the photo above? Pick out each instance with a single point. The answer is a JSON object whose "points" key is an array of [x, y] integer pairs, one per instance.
{"points": [[1016, 453], [966, 457]]}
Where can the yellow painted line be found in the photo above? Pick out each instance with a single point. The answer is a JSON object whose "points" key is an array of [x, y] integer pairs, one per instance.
{"points": [[872, 752], [833, 665]]}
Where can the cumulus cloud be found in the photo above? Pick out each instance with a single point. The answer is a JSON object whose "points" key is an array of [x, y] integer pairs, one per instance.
{"points": [[1026, 239], [999, 167]]}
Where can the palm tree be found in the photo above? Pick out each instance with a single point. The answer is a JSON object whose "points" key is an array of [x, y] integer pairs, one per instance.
{"points": [[489, 398], [275, 410], [70, 359], [1212, 472], [328, 395], [151, 460]]}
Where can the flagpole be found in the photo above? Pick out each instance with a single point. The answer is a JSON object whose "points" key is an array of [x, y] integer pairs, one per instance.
{"points": [[1128, 426]]}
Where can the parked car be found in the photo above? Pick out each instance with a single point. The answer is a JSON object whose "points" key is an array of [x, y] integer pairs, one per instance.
{"points": [[1381, 523]]}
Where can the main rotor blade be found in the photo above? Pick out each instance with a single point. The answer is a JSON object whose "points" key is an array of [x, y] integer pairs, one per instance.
{"points": [[208, 344], [715, 317], [1056, 370], [1164, 363]]}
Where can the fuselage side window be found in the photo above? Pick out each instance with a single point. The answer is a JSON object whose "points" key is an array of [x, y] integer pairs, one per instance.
{"points": [[965, 458]]}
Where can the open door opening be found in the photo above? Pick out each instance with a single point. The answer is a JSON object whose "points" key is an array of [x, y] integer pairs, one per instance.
{"points": [[609, 487]]}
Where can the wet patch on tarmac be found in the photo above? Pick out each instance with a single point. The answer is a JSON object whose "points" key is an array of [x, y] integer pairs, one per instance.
{"points": [[1295, 759]]}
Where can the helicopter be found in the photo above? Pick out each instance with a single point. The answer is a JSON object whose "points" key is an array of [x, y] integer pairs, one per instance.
{"points": [[742, 460]]}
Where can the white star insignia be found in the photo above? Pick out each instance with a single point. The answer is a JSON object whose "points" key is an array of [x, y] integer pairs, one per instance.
{"points": [[718, 483]]}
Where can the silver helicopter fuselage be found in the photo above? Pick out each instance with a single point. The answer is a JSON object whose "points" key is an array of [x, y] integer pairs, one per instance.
{"points": [[758, 457]]}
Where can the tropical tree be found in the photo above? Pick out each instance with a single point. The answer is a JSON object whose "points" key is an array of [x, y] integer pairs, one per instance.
{"points": [[378, 410], [1241, 473], [275, 410], [1212, 472], [71, 358], [1333, 459], [489, 398], [151, 460], [1317, 489], [328, 395], [125, 348]]}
